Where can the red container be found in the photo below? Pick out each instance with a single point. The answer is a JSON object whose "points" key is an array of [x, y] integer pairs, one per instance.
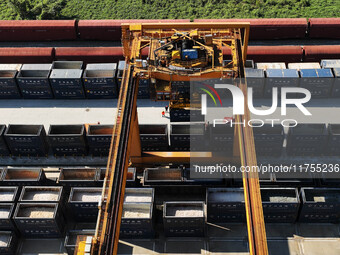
{"points": [[37, 30], [26, 55], [268, 29], [324, 28], [318, 52], [110, 30], [90, 54], [271, 53]]}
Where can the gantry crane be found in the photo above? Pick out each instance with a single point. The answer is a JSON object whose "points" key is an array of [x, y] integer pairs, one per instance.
{"points": [[169, 61]]}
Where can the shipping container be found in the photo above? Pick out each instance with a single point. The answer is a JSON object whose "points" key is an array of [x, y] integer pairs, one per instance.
{"points": [[70, 243], [280, 204], [77, 177], [102, 66], [9, 194], [100, 84], [10, 242], [225, 205], [307, 139], [22, 176], [26, 55], [120, 71], [67, 65], [67, 83], [131, 178], [10, 67], [273, 65], [334, 139], [83, 203], [154, 137], [139, 195], [269, 29], [90, 54], [185, 115], [298, 176], [67, 140], [40, 194], [320, 205], [278, 78], [38, 30], [6, 217], [184, 219], [8, 86], [137, 221], [319, 52], [34, 84], [26, 140], [318, 81], [190, 178], [330, 63], [269, 140], [255, 80], [336, 85], [324, 28], [39, 220], [99, 139], [162, 176], [221, 138], [4, 151], [304, 65], [187, 136], [45, 67]]}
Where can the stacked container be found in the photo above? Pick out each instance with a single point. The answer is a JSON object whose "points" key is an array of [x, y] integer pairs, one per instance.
{"points": [[255, 80], [185, 137], [70, 243], [131, 178], [66, 79], [320, 205], [221, 138], [144, 89], [8, 85], [269, 140], [225, 205], [9, 242], [334, 139], [185, 115], [67, 140], [26, 140], [280, 204], [78, 177], [100, 81], [41, 194], [307, 139], [185, 219], [318, 81], [6, 216], [22, 176], [137, 219], [270, 65], [99, 139], [83, 203], [154, 137], [278, 78], [120, 71], [336, 85], [162, 176], [33, 81], [330, 63], [4, 151]]}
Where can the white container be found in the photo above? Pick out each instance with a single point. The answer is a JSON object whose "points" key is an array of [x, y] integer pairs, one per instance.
{"points": [[271, 65], [306, 65]]}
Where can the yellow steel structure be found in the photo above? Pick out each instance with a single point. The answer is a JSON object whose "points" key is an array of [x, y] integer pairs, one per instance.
{"points": [[125, 146]]}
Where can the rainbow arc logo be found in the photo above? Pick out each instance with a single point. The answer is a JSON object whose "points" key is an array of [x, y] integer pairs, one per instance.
{"points": [[206, 90]]}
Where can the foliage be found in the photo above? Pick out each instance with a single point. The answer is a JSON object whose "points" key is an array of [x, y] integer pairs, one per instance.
{"points": [[166, 9]]}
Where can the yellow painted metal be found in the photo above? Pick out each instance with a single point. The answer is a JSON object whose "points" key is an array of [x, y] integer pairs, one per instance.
{"points": [[176, 54]]}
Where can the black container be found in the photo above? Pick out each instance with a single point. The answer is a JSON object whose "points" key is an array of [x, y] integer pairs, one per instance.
{"points": [[336, 85], [320, 205], [280, 204], [68, 140], [83, 203], [318, 81], [100, 84], [163, 176], [201, 181], [131, 178], [185, 137], [120, 71], [12, 243], [307, 139], [71, 239], [67, 83], [154, 137], [8, 85], [140, 226], [39, 194], [221, 138], [4, 151], [40, 226], [334, 139], [225, 205], [265, 178], [186, 225], [180, 87], [299, 178], [280, 78], [99, 139], [185, 115], [34, 84], [144, 89], [78, 177], [26, 140], [139, 195], [255, 80], [24, 176], [269, 140], [6, 222], [9, 194]]}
